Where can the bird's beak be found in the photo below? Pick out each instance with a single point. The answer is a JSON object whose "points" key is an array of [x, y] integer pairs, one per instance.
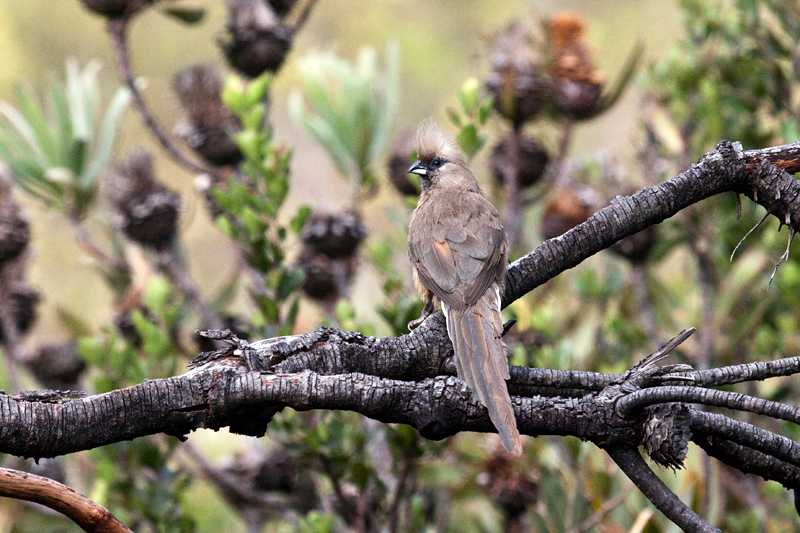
{"points": [[418, 168]]}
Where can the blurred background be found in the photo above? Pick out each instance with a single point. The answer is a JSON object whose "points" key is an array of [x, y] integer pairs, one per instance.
{"points": [[560, 106], [441, 44]]}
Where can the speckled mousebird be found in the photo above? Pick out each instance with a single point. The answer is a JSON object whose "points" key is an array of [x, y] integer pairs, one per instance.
{"points": [[459, 251]]}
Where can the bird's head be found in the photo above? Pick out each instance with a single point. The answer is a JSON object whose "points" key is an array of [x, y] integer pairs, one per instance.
{"points": [[439, 161]]}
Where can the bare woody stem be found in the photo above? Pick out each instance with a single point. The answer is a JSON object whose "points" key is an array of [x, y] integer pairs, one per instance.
{"points": [[117, 28], [630, 461], [87, 514]]}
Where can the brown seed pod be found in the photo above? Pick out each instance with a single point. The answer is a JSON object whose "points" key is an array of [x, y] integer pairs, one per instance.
{"points": [[282, 7], [533, 159], [335, 235], [21, 303], [57, 366], [210, 126], [401, 159], [509, 488], [257, 474], [148, 211], [635, 248], [567, 209], [326, 279], [113, 8], [319, 283], [516, 82], [256, 41], [14, 229], [577, 85]]}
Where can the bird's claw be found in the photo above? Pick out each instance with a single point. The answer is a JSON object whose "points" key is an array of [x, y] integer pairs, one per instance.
{"points": [[426, 312]]}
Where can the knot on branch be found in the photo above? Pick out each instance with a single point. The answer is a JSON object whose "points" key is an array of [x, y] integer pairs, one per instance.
{"points": [[666, 433], [776, 190]]}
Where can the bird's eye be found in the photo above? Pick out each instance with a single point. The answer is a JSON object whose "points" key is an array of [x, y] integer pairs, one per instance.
{"points": [[436, 162]]}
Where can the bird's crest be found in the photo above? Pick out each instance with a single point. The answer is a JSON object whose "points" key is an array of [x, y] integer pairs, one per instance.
{"points": [[433, 141]]}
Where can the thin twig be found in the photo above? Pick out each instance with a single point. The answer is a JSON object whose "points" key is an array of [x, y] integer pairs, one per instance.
{"points": [[117, 28], [631, 463], [302, 16], [604, 509], [512, 215], [640, 289], [169, 264], [405, 470], [563, 149], [349, 513]]}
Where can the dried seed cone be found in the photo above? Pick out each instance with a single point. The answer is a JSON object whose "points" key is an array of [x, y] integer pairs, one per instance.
{"points": [[335, 235], [577, 86], [567, 209], [401, 159], [326, 279], [21, 303], [57, 366], [516, 82], [532, 160], [258, 474], [319, 283], [14, 229], [636, 247], [282, 7], [256, 42], [210, 126], [509, 488], [113, 8], [148, 211]]}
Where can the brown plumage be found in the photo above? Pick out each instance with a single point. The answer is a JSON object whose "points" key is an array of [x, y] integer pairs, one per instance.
{"points": [[458, 248]]}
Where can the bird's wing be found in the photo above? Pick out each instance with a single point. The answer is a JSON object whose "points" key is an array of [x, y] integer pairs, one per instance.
{"points": [[460, 258]]}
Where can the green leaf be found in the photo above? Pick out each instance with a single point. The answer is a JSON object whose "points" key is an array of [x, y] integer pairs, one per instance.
{"points": [[74, 322], [225, 226], [254, 118], [468, 94], [485, 110], [469, 140], [290, 281], [24, 130], [257, 89], [57, 105], [454, 117], [34, 115], [269, 308], [187, 15], [78, 103], [298, 222], [248, 143], [233, 95], [119, 102]]}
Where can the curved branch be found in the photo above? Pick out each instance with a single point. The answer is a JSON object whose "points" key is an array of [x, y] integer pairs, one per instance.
{"points": [[80, 509], [766, 442], [630, 461], [118, 29], [750, 461], [758, 371], [636, 401], [725, 169]]}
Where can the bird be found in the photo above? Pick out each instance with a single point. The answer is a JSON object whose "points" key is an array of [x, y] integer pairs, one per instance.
{"points": [[459, 252]]}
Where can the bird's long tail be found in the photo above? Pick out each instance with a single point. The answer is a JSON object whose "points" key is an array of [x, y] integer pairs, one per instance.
{"points": [[481, 361]]}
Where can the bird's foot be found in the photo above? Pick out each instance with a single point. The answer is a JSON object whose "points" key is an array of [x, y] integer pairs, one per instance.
{"points": [[426, 312]]}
